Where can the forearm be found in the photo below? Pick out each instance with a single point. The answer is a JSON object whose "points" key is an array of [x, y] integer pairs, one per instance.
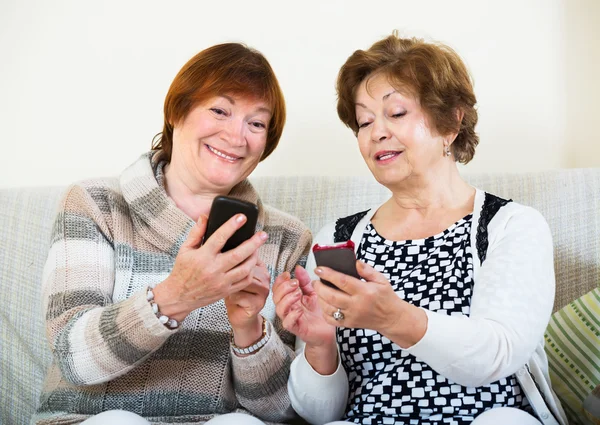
{"points": [[323, 358], [407, 324], [260, 379], [103, 343], [316, 397]]}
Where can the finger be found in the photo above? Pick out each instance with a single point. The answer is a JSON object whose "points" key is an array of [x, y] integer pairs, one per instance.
{"points": [[242, 270], [246, 300], [235, 256], [304, 280], [328, 316], [262, 274], [239, 285], [369, 273], [291, 300], [218, 239], [257, 288], [325, 307], [344, 282], [194, 238], [283, 289], [290, 322], [332, 296], [279, 280]]}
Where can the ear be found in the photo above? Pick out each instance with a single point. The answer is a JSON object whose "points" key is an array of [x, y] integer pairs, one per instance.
{"points": [[459, 114]]}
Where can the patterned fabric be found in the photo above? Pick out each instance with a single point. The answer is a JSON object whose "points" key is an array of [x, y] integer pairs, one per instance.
{"points": [[569, 200], [111, 239], [573, 346], [491, 206], [387, 384], [345, 226]]}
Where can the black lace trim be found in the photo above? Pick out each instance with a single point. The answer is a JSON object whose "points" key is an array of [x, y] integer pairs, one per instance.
{"points": [[491, 205], [345, 226]]}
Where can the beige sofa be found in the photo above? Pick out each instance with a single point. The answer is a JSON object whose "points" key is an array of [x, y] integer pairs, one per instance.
{"points": [[569, 199]]}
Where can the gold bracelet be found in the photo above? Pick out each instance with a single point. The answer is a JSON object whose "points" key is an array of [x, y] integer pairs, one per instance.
{"points": [[254, 347]]}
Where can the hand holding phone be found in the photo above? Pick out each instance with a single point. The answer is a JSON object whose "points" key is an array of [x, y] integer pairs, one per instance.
{"points": [[222, 209], [339, 257]]}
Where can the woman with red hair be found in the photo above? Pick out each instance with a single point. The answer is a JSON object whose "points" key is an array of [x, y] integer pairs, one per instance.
{"points": [[146, 322]]}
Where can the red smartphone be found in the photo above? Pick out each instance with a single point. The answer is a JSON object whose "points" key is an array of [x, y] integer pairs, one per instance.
{"points": [[222, 209], [339, 257]]}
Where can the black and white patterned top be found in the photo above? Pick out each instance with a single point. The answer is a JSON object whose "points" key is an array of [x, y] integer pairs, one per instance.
{"points": [[390, 386]]}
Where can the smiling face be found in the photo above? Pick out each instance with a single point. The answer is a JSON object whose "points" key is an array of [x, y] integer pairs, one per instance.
{"points": [[220, 142], [394, 137]]}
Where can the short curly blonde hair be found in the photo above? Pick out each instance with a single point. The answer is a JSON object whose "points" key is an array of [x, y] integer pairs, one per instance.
{"points": [[433, 73]]}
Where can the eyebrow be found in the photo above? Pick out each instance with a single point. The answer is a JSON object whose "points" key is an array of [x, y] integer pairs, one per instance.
{"points": [[383, 98], [230, 99]]}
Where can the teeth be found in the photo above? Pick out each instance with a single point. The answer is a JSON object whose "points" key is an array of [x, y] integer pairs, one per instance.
{"points": [[221, 154], [387, 156]]}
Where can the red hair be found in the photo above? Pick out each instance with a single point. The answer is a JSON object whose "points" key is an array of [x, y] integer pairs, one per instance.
{"points": [[229, 68]]}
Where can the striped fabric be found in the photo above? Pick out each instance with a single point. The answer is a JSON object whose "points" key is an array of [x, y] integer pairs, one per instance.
{"points": [[573, 348], [111, 239], [569, 199]]}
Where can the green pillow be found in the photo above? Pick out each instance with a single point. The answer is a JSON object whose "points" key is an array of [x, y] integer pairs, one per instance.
{"points": [[573, 348]]}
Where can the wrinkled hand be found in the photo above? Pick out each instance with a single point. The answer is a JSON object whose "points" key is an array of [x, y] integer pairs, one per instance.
{"points": [[202, 274], [369, 305], [297, 307], [243, 307]]}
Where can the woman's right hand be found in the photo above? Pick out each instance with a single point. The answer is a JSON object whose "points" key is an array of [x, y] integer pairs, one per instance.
{"points": [[297, 307], [202, 274]]}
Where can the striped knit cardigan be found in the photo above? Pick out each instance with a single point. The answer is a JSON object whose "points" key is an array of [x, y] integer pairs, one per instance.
{"points": [[111, 239]]}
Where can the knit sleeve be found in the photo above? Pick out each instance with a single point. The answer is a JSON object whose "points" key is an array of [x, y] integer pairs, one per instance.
{"points": [[511, 305], [260, 380], [93, 340]]}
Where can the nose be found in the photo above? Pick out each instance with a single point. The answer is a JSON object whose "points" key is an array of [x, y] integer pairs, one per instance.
{"points": [[380, 131], [233, 133]]}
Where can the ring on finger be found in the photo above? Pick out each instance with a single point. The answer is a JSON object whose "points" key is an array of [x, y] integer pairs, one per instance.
{"points": [[338, 315]]}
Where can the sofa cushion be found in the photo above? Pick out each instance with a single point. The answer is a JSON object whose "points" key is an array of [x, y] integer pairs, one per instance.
{"points": [[573, 348], [26, 217]]}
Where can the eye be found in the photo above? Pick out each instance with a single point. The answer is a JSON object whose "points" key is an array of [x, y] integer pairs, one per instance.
{"points": [[219, 111], [364, 124], [258, 125], [399, 114]]}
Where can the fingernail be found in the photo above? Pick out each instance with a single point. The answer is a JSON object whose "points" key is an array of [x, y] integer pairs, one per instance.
{"points": [[263, 236], [293, 282], [318, 270], [240, 218]]}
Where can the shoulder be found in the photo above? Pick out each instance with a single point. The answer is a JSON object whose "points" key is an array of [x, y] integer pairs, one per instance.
{"points": [[93, 202], [512, 217], [281, 221]]}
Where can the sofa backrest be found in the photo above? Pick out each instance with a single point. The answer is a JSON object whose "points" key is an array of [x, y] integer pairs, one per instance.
{"points": [[569, 199]]}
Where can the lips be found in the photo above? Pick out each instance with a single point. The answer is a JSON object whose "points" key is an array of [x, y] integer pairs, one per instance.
{"points": [[222, 154], [385, 156]]}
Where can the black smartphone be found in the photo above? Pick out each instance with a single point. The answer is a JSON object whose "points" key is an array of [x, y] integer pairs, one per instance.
{"points": [[222, 209], [339, 257]]}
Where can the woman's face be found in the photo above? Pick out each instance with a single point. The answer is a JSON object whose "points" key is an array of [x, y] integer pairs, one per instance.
{"points": [[220, 142], [394, 137]]}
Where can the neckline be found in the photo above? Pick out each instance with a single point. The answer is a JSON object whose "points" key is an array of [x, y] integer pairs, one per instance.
{"points": [[437, 236]]}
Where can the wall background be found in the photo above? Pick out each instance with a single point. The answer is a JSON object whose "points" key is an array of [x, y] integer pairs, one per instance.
{"points": [[82, 83]]}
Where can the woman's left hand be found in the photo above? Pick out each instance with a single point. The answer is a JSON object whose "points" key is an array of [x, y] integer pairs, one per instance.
{"points": [[370, 305], [243, 307]]}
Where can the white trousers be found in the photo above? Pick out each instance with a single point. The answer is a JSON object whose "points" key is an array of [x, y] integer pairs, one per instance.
{"points": [[121, 417], [498, 416]]}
